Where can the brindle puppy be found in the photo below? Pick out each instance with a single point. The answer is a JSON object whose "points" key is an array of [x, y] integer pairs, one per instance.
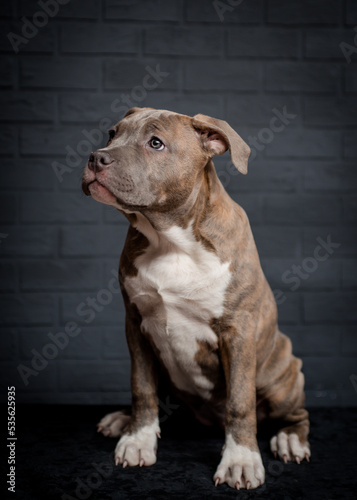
{"points": [[197, 301]]}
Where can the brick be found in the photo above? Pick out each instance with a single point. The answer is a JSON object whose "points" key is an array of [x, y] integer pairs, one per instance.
{"points": [[70, 180], [263, 42], [349, 275], [337, 235], [325, 176], [351, 79], [110, 271], [205, 12], [59, 208], [114, 343], [8, 274], [156, 10], [266, 176], [29, 308], [328, 373], [56, 398], [314, 340], [121, 398], [93, 107], [8, 344], [289, 309], [86, 345], [133, 75], [331, 307], [306, 143], [53, 140], [28, 106], [8, 140], [350, 208], [25, 174], [350, 144], [8, 208], [304, 12], [302, 77], [319, 394], [277, 241], [338, 112], [43, 41], [351, 12], [349, 342], [104, 308], [73, 9], [187, 104], [223, 75], [94, 241], [111, 214], [324, 399], [62, 73], [37, 241], [8, 65], [281, 274], [282, 209], [59, 275], [184, 41], [322, 43], [320, 209], [46, 380], [256, 110], [252, 204], [87, 107], [95, 376], [34, 338], [87, 38]]}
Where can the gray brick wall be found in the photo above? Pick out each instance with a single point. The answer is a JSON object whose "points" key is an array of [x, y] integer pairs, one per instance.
{"points": [[62, 316]]}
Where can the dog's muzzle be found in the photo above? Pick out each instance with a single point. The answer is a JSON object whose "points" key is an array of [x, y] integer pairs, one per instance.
{"points": [[99, 160]]}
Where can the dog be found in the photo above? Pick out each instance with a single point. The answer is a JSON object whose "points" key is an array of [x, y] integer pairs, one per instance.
{"points": [[197, 302]]}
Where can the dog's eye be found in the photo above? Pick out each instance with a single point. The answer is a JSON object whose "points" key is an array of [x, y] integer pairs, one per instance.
{"points": [[155, 143], [111, 133]]}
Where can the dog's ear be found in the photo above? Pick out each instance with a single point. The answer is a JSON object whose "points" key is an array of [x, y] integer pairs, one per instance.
{"points": [[131, 111], [217, 136]]}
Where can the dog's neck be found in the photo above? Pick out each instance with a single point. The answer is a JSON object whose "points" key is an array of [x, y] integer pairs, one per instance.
{"points": [[207, 191]]}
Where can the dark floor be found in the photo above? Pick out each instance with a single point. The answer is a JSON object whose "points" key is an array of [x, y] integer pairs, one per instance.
{"points": [[60, 455]]}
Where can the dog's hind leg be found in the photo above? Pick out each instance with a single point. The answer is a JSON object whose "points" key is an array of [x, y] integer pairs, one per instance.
{"points": [[285, 399]]}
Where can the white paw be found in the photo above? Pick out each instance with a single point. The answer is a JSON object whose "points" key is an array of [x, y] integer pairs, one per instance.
{"points": [[240, 467], [289, 448], [138, 448], [113, 424]]}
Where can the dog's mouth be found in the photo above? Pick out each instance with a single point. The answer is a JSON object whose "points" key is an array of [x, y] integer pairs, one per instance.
{"points": [[99, 192], [92, 182]]}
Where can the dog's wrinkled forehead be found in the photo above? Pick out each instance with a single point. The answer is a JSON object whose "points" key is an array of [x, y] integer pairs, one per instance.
{"points": [[146, 122]]}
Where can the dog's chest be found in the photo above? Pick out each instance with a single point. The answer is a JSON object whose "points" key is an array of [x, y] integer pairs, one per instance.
{"points": [[179, 289]]}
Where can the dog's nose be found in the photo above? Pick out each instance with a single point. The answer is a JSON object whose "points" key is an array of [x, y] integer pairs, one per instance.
{"points": [[99, 160]]}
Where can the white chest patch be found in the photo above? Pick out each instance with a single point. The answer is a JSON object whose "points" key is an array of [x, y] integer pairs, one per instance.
{"points": [[179, 288]]}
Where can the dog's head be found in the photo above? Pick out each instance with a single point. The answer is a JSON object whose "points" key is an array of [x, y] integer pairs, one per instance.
{"points": [[154, 158]]}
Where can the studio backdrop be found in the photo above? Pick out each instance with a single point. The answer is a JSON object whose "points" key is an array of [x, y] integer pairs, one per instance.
{"points": [[282, 74]]}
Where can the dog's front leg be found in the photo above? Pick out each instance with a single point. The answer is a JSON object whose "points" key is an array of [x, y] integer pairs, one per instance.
{"points": [[241, 465], [138, 444]]}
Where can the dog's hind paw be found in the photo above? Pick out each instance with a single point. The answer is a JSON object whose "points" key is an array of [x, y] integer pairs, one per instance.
{"points": [[113, 424], [289, 447]]}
